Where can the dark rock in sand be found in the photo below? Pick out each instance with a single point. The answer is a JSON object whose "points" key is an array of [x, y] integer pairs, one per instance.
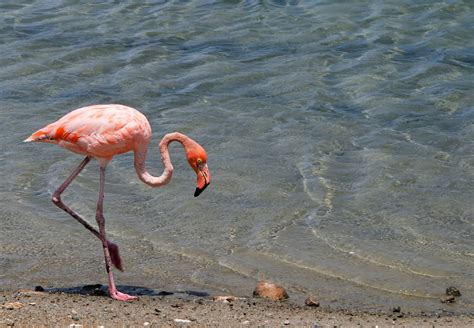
{"points": [[453, 291], [312, 301], [397, 309], [448, 299], [270, 290]]}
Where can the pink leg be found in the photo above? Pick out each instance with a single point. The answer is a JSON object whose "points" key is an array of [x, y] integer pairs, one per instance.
{"points": [[114, 293], [114, 252]]}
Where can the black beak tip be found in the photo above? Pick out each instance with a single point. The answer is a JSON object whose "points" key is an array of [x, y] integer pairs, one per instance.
{"points": [[198, 191]]}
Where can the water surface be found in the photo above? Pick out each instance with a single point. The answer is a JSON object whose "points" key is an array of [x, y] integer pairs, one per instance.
{"points": [[340, 139]]}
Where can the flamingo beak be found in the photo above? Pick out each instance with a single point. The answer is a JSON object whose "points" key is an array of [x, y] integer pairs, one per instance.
{"points": [[203, 180]]}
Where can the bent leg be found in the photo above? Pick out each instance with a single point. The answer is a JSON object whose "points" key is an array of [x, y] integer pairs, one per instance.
{"points": [[56, 199]]}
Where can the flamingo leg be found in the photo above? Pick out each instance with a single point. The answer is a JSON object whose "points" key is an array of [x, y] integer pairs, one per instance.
{"points": [[56, 199], [113, 292]]}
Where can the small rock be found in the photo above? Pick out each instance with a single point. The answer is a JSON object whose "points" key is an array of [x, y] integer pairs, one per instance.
{"points": [[286, 322], [12, 306], [448, 299], [146, 324], [453, 291], [397, 309], [225, 299], [311, 301], [182, 320], [75, 316], [270, 290], [246, 322]]}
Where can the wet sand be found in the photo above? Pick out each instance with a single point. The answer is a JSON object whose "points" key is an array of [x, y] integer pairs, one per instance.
{"points": [[26, 308]]}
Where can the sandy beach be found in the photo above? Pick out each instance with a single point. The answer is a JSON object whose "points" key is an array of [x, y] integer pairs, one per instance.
{"points": [[28, 308]]}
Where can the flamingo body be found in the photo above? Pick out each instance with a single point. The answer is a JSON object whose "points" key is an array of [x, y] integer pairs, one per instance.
{"points": [[101, 132]]}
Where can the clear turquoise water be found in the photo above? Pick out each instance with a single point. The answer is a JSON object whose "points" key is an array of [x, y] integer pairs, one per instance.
{"points": [[340, 139]]}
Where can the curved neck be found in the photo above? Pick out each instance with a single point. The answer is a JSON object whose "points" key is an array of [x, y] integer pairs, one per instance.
{"points": [[140, 158]]}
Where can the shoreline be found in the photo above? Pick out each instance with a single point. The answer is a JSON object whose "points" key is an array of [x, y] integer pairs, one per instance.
{"points": [[21, 308]]}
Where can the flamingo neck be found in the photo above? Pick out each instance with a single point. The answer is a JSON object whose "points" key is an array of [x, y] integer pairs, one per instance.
{"points": [[165, 177]]}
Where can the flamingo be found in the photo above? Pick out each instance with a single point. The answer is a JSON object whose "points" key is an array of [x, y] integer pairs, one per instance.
{"points": [[101, 132]]}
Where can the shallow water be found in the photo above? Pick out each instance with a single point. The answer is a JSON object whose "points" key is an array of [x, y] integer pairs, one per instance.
{"points": [[340, 139]]}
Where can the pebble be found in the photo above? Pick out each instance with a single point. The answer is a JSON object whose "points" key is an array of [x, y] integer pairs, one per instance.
{"points": [[311, 301], [448, 299], [270, 290], [75, 316], [12, 305], [453, 291], [225, 299], [182, 320], [286, 322]]}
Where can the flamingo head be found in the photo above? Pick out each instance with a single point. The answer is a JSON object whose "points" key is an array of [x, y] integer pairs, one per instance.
{"points": [[197, 159]]}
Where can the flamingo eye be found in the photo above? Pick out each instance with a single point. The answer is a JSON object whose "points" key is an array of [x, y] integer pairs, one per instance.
{"points": [[200, 163]]}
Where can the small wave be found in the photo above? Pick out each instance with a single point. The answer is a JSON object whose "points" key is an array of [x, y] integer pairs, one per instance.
{"points": [[320, 271], [352, 252]]}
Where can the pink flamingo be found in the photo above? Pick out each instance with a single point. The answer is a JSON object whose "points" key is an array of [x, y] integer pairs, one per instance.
{"points": [[102, 131]]}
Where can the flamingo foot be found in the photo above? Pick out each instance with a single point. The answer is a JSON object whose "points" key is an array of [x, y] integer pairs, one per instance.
{"points": [[122, 296]]}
